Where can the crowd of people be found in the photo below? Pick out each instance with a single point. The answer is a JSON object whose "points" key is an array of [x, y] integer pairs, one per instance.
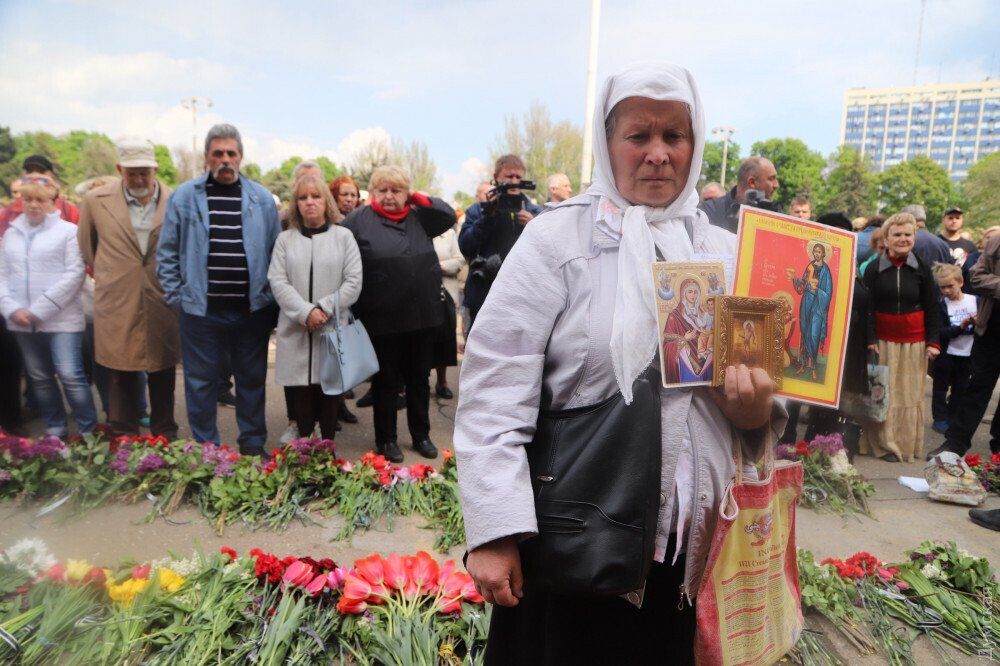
{"points": [[139, 278], [556, 303]]}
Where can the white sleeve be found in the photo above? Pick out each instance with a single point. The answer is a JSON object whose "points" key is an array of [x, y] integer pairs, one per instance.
{"points": [[501, 386]]}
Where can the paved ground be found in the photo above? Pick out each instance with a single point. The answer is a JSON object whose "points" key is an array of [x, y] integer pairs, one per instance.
{"points": [[903, 518]]}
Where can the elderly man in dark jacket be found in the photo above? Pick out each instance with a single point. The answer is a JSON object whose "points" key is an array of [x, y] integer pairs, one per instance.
{"points": [[757, 174], [400, 303]]}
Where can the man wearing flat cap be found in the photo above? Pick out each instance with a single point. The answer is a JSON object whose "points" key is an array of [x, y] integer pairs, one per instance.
{"points": [[135, 331]]}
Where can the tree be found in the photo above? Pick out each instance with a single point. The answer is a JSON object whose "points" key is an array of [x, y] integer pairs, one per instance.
{"points": [[366, 159], [9, 169], [416, 159], [164, 160], [546, 146], [463, 200], [800, 170], [982, 188], [251, 170], [711, 163], [330, 170], [918, 181], [849, 186]]}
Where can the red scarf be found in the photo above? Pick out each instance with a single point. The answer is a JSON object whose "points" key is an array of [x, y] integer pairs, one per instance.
{"points": [[396, 217]]}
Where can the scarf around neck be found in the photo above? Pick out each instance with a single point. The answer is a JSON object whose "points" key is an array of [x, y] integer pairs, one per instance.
{"points": [[644, 229], [396, 217]]}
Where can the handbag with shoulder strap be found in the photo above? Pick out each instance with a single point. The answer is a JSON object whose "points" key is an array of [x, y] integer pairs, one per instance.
{"points": [[347, 356], [595, 472]]}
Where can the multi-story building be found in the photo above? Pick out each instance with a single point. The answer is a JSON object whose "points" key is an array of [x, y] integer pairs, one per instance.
{"points": [[955, 124]]}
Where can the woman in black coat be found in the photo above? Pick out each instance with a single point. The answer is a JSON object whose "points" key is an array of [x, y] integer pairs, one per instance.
{"points": [[400, 302]]}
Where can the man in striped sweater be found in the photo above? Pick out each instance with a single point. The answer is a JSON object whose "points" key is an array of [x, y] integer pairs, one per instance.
{"points": [[214, 252]]}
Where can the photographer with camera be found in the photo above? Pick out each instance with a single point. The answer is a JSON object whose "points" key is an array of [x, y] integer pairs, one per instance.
{"points": [[493, 226], [756, 182]]}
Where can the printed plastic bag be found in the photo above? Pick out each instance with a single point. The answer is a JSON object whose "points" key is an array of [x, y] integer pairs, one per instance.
{"points": [[951, 480]]}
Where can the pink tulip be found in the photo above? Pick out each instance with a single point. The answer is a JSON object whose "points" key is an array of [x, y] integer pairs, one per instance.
{"points": [[316, 585], [470, 593], [298, 574], [141, 573], [335, 578]]}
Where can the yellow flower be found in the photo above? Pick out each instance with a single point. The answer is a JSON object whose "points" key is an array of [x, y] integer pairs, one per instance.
{"points": [[170, 580], [76, 569], [125, 593]]}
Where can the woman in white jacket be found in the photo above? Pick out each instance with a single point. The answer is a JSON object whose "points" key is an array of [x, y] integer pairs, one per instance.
{"points": [[313, 262], [41, 272]]}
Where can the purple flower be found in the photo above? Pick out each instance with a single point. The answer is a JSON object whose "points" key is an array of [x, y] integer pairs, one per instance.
{"points": [[150, 463], [785, 452], [20, 448], [224, 468], [188, 447], [830, 445], [5, 475], [120, 461]]}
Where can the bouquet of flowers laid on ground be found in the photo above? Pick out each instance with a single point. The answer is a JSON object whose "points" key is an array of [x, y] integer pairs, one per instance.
{"points": [[303, 477], [988, 471], [824, 590], [227, 609], [829, 481]]}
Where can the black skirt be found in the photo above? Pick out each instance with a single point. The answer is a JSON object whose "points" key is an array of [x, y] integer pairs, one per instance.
{"points": [[555, 629], [445, 351]]}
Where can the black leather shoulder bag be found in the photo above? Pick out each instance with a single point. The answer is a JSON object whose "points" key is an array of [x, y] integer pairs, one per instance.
{"points": [[595, 472]]}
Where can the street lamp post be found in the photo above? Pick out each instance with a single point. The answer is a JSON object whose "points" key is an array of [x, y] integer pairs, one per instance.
{"points": [[193, 103], [726, 133], [588, 122]]}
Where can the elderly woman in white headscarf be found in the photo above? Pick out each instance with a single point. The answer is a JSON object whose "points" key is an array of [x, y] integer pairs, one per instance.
{"points": [[570, 321]]}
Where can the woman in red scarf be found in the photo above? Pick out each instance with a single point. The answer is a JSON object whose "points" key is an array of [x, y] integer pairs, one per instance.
{"points": [[400, 302]]}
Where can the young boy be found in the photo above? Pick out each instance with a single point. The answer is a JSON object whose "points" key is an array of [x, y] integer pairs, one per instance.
{"points": [[952, 368]]}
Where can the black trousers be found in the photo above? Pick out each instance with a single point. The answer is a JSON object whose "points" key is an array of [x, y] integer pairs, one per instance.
{"points": [[985, 361], [308, 404], [124, 401], [950, 372], [555, 629], [403, 358], [10, 381]]}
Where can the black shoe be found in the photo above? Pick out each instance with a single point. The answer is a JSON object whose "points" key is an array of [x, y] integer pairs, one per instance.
{"points": [[444, 392], [426, 448], [400, 401], [989, 519], [227, 399], [890, 457], [349, 394], [390, 450], [346, 415], [944, 448], [367, 400]]}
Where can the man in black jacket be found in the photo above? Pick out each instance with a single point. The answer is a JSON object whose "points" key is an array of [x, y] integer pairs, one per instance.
{"points": [[758, 175], [490, 231]]}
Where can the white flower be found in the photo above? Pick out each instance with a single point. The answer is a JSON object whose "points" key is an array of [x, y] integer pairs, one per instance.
{"points": [[31, 556], [964, 553], [840, 465], [931, 572]]}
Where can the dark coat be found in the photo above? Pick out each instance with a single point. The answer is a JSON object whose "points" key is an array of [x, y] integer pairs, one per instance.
{"points": [[483, 235], [909, 288], [856, 354], [723, 211], [401, 284]]}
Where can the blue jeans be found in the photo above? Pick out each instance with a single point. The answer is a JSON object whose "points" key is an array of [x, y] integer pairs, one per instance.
{"points": [[47, 355], [204, 344]]}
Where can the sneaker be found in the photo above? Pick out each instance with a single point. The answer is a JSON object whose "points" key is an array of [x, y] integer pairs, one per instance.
{"points": [[227, 399], [291, 432], [941, 449], [890, 457], [144, 420], [426, 448], [390, 450], [940, 426]]}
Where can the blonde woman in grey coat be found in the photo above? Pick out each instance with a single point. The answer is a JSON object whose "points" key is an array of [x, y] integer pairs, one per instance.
{"points": [[313, 263]]}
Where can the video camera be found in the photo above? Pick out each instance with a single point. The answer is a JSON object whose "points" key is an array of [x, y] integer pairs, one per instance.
{"points": [[505, 202], [757, 199]]}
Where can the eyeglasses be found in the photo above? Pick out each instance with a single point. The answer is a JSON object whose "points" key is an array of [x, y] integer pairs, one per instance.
{"points": [[41, 180]]}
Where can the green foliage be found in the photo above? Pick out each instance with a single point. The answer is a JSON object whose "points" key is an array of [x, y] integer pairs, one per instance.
{"points": [[849, 186], [167, 170], [918, 181], [463, 200], [800, 170], [76, 155], [711, 163], [982, 189], [251, 170], [279, 179]]}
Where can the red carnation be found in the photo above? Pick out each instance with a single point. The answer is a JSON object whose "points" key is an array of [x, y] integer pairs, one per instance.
{"points": [[972, 460], [226, 550]]}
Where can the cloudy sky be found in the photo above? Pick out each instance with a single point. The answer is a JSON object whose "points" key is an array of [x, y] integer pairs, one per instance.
{"points": [[320, 78]]}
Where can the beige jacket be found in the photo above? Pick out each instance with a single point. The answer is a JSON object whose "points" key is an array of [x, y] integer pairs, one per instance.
{"points": [[134, 328]]}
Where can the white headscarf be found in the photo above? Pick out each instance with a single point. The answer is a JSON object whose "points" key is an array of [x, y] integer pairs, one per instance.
{"points": [[642, 228]]}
